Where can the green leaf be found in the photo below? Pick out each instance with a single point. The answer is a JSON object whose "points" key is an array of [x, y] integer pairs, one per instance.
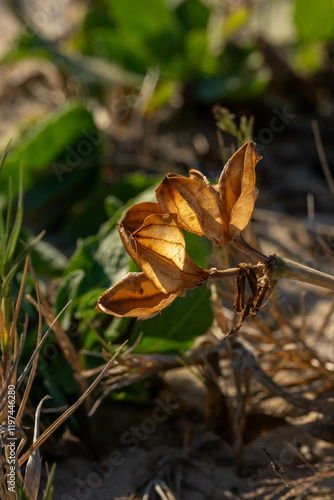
{"points": [[48, 492], [16, 228], [48, 260], [44, 142], [112, 205], [101, 258], [134, 185], [314, 21], [17, 262], [197, 57], [153, 17], [193, 14], [176, 328], [98, 263], [199, 248], [129, 51]]}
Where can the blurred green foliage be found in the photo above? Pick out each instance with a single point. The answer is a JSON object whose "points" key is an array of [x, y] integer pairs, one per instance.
{"points": [[314, 21]]}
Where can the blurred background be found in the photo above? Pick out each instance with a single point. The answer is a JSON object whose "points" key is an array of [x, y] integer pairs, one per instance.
{"points": [[101, 98]]}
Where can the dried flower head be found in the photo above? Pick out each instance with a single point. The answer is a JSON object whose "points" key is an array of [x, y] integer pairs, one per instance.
{"points": [[152, 234]]}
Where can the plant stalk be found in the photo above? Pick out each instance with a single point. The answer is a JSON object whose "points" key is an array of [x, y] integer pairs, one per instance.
{"points": [[216, 275], [246, 248], [284, 268], [289, 269]]}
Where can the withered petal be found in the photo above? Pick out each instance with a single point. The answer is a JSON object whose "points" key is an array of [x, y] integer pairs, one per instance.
{"points": [[134, 296], [135, 215], [161, 251], [242, 212], [196, 204], [237, 187], [171, 201], [132, 220]]}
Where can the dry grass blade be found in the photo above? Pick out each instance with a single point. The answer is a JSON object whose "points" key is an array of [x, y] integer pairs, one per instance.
{"points": [[65, 343], [32, 476], [18, 303], [245, 352], [3, 489], [276, 468], [12, 371], [326, 321], [33, 370], [47, 433], [39, 347], [163, 491], [322, 157]]}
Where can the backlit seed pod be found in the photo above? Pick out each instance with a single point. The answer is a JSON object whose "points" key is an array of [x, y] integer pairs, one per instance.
{"points": [[152, 235]]}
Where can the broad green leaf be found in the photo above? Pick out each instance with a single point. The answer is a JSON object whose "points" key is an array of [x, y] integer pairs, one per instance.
{"points": [[176, 328], [129, 51], [112, 206], [198, 248], [69, 290], [58, 379], [133, 185], [48, 260], [45, 141], [197, 58], [152, 18], [98, 263], [314, 21], [193, 14]]}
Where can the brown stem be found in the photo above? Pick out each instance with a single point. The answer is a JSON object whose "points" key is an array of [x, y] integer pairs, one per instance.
{"points": [[245, 247], [231, 273], [286, 268], [283, 268]]}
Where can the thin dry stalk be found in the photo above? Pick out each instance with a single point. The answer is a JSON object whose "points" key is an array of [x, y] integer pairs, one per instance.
{"points": [[322, 156], [47, 433], [33, 369], [64, 341]]}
